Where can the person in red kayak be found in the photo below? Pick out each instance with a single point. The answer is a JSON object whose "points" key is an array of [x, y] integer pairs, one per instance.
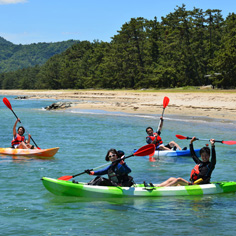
{"points": [[155, 138], [117, 172], [19, 140], [201, 173]]}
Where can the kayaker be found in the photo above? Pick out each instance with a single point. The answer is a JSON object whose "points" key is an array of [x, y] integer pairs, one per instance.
{"points": [[155, 138], [117, 172], [19, 140], [201, 173]]}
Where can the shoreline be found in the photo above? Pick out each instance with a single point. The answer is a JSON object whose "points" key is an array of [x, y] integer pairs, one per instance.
{"points": [[219, 105]]}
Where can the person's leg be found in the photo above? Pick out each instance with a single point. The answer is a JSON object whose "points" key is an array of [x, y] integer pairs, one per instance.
{"points": [[162, 147], [173, 182], [28, 145], [174, 144], [167, 182], [22, 145], [179, 182]]}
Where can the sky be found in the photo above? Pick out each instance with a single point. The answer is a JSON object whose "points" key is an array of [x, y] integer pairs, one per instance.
{"points": [[34, 21]]}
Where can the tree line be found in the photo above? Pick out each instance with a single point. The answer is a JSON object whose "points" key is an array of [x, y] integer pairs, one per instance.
{"points": [[185, 48]]}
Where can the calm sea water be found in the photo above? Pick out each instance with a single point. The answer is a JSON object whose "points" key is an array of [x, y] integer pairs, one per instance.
{"points": [[84, 137]]}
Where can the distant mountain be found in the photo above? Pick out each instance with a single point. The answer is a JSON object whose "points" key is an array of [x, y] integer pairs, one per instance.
{"points": [[4, 42], [14, 57]]}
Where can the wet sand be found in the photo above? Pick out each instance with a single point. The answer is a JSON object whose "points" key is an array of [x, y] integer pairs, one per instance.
{"points": [[213, 104]]}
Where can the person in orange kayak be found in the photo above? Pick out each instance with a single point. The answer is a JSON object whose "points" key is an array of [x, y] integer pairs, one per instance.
{"points": [[201, 173], [19, 140], [117, 172], [155, 138]]}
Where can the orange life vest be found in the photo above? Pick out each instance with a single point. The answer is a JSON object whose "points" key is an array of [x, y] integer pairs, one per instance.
{"points": [[18, 139], [195, 172], [158, 141]]}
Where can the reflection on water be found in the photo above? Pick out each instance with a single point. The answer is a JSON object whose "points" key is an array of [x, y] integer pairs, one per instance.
{"points": [[22, 159]]}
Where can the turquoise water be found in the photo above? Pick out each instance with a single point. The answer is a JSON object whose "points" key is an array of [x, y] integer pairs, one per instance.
{"points": [[84, 137]]}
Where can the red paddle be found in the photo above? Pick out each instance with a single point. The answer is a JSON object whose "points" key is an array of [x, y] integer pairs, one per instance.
{"points": [[143, 151], [8, 104], [165, 104], [218, 141]]}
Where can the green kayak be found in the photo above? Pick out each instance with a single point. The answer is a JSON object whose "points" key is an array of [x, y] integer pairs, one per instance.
{"points": [[67, 188]]}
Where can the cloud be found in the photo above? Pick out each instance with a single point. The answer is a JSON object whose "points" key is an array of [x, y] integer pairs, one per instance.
{"points": [[5, 2]]}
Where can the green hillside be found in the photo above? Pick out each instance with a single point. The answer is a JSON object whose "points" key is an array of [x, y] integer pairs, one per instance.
{"points": [[4, 42], [14, 57]]}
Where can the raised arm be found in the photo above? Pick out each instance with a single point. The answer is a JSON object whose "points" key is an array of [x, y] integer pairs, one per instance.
{"points": [[213, 152], [193, 154], [14, 127]]}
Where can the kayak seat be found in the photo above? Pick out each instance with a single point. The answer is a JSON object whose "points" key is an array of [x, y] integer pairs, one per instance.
{"points": [[185, 148]]}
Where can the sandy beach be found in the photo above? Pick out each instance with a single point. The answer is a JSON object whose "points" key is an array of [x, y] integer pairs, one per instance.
{"points": [[214, 104]]}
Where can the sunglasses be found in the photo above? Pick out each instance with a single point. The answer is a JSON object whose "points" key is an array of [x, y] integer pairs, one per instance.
{"points": [[113, 155]]}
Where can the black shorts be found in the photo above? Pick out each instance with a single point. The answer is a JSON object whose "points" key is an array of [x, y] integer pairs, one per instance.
{"points": [[168, 146]]}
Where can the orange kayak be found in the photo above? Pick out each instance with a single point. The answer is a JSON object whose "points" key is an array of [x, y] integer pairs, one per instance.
{"points": [[50, 152]]}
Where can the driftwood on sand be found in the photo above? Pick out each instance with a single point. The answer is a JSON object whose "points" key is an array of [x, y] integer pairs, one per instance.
{"points": [[58, 105]]}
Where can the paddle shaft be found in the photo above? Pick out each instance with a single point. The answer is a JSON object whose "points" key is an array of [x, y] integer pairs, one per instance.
{"points": [[118, 160], [230, 142], [163, 111], [160, 120], [217, 141], [165, 104]]}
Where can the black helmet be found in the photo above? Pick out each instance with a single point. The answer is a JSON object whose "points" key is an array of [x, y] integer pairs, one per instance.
{"points": [[120, 153]]}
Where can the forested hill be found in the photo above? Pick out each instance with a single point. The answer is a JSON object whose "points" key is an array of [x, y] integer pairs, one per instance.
{"points": [[14, 57], [185, 48], [4, 42]]}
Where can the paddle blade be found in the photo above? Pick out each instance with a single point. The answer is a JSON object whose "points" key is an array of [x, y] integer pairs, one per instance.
{"points": [[145, 150], [165, 102], [152, 159], [66, 177], [229, 142], [180, 136], [7, 103]]}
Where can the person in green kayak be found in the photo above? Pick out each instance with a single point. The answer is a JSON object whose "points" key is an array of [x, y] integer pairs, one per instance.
{"points": [[117, 172], [155, 138], [19, 140], [201, 173]]}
